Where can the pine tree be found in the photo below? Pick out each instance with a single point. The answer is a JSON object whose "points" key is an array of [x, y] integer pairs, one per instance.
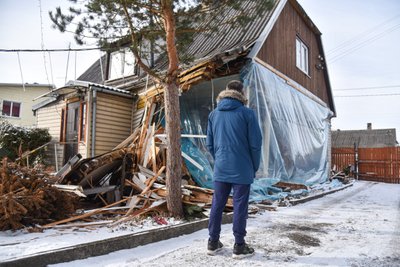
{"points": [[169, 26]]}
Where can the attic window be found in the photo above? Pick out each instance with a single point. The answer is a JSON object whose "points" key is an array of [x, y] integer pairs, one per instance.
{"points": [[11, 109], [122, 64], [301, 55]]}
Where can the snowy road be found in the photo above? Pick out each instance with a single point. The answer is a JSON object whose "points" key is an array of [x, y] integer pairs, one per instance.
{"points": [[359, 226]]}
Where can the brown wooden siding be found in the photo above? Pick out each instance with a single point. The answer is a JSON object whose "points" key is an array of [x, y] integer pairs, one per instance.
{"points": [[375, 164], [279, 51], [113, 121]]}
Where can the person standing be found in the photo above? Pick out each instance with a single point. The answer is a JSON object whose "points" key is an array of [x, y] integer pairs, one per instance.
{"points": [[234, 140]]}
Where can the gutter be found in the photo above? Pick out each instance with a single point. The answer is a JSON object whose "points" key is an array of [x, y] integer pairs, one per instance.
{"points": [[92, 91]]}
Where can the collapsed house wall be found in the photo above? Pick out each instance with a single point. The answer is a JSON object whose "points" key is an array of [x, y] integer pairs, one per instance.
{"points": [[295, 129]]}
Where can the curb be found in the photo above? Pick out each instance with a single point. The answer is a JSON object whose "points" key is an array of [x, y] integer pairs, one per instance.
{"points": [[109, 245], [102, 247], [306, 199]]}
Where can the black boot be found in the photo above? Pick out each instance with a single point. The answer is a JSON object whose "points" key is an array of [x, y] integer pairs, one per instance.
{"points": [[213, 247], [242, 251]]}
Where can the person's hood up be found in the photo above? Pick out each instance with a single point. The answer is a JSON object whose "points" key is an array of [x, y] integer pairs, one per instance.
{"points": [[230, 99]]}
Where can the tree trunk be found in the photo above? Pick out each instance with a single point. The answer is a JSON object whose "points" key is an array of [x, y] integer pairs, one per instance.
{"points": [[174, 158], [172, 116]]}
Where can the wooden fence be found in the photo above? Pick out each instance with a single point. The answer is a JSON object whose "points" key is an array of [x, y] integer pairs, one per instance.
{"points": [[374, 164]]}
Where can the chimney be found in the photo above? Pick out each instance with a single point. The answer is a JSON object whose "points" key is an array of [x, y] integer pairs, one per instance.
{"points": [[369, 126]]}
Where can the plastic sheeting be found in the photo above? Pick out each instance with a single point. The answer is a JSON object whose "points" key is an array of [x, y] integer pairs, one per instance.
{"points": [[295, 128], [295, 131]]}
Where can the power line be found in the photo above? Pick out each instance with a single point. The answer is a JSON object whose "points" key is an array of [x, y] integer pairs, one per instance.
{"points": [[48, 50], [362, 44], [42, 41], [360, 35], [366, 95], [367, 88]]}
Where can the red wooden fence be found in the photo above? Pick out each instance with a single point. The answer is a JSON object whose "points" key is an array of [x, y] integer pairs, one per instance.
{"points": [[374, 164]]}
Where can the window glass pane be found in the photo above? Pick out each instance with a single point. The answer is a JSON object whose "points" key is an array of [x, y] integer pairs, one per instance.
{"points": [[116, 65], [15, 109], [298, 53], [6, 108], [129, 67], [76, 116], [122, 64], [301, 56]]}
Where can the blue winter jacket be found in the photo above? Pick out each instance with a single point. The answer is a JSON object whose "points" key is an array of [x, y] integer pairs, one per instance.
{"points": [[234, 139]]}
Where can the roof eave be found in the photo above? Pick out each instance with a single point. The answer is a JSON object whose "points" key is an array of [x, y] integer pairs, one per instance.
{"points": [[264, 34]]}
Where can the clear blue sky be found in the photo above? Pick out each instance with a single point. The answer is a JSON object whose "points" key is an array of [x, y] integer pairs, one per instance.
{"points": [[360, 37]]}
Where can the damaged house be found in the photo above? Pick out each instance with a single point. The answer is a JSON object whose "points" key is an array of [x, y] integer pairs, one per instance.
{"points": [[280, 59]]}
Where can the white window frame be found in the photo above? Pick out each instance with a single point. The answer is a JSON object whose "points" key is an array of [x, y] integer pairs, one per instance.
{"points": [[122, 64], [302, 56], [11, 109]]}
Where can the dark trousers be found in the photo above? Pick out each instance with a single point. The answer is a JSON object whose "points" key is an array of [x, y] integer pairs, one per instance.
{"points": [[240, 208]]}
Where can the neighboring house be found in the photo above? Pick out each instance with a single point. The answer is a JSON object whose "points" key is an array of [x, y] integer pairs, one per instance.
{"points": [[84, 118], [17, 100], [368, 138], [280, 58], [373, 154]]}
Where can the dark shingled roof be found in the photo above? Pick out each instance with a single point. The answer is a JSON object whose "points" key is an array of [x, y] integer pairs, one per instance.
{"points": [[93, 73], [364, 138]]}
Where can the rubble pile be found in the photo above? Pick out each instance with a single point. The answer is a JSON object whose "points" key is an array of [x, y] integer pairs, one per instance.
{"points": [[128, 182], [27, 198]]}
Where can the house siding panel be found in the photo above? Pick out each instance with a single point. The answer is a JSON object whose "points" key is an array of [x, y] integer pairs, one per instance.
{"points": [[279, 51], [113, 121], [137, 118], [50, 117]]}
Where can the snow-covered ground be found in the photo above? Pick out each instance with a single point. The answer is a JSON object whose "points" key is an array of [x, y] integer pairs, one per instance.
{"points": [[359, 226]]}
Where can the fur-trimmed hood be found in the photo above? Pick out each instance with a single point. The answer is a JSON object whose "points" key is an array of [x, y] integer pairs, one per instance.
{"points": [[232, 94]]}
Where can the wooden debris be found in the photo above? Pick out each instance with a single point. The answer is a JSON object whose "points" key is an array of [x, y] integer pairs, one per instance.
{"points": [[26, 198], [290, 186], [83, 215], [134, 171]]}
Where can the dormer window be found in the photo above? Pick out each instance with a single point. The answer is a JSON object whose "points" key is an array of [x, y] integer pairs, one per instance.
{"points": [[122, 64], [302, 56]]}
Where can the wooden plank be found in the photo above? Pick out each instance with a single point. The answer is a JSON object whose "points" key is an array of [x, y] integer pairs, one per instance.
{"points": [[150, 173], [128, 140], [83, 216], [149, 185], [147, 148]]}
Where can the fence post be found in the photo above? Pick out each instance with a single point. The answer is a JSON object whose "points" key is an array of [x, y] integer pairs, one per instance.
{"points": [[356, 159]]}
